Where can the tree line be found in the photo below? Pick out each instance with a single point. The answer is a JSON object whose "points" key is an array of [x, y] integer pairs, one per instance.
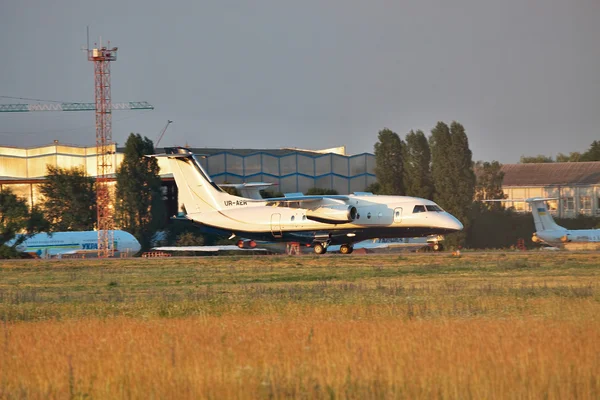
{"points": [[591, 154], [439, 168]]}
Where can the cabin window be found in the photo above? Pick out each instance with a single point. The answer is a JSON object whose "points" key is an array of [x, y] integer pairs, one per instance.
{"points": [[369, 216], [380, 215], [293, 218], [397, 214], [418, 209], [434, 207]]}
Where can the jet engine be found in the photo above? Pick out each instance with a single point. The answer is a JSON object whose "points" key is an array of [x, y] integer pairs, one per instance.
{"points": [[21, 247], [333, 214]]}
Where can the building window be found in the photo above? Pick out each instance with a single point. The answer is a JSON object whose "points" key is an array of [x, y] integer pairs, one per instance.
{"points": [[569, 204], [552, 206], [586, 204]]}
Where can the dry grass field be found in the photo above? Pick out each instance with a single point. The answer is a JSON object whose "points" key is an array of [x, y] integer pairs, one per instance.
{"points": [[497, 325]]}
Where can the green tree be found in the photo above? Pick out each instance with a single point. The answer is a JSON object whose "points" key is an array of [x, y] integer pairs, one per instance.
{"points": [[493, 229], [374, 188], [489, 177], [536, 159], [593, 153], [16, 218], [417, 166], [572, 157], [268, 194], [69, 199], [189, 239], [440, 143], [139, 207], [452, 173], [388, 161]]}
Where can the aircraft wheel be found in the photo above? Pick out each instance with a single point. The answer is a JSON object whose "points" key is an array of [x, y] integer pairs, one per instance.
{"points": [[438, 247], [319, 248], [346, 249]]}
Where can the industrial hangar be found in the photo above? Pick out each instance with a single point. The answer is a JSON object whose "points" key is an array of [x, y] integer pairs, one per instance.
{"points": [[575, 185], [292, 170], [297, 170]]}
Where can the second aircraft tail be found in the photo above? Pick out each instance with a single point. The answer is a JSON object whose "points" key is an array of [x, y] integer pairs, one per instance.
{"points": [[541, 216]]}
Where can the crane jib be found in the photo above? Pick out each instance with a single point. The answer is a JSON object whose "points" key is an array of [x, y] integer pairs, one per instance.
{"points": [[131, 105]]}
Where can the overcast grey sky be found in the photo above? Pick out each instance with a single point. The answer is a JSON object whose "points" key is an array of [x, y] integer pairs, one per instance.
{"points": [[522, 76]]}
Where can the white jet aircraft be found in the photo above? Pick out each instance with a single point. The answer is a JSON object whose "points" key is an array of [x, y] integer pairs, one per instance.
{"points": [[548, 232], [61, 243], [314, 220]]}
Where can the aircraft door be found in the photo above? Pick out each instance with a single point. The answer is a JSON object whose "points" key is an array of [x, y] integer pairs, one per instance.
{"points": [[276, 225], [398, 214]]}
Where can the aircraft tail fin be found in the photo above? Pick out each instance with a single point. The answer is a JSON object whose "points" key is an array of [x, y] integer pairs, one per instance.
{"points": [[197, 191], [541, 216]]}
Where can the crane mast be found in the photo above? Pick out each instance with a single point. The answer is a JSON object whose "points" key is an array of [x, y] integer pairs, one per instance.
{"points": [[102, 57]]}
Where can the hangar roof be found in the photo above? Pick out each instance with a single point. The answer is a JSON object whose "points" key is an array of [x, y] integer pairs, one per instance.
{"points": [[245, 152], [549, 174]]}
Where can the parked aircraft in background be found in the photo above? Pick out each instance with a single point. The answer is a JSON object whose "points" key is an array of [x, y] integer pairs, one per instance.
{"points": [[549, 232], [61, 243], [389, 244], [318, 221], [206, 249]]}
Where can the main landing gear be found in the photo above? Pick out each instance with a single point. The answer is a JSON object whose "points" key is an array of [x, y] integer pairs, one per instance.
{"points": [[346, 249], [321, 248]]}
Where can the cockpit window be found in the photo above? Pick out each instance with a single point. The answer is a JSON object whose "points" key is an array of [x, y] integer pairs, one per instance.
{"points": [[418, 209], [434, 208]]}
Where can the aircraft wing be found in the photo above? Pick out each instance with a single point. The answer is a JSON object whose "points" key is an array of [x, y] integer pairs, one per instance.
{"points": [[249, 190], [204, 248], [302, 200]]}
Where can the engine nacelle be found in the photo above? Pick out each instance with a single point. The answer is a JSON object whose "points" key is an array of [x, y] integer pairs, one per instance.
{"points": [[21, 247], [246, 244], [333, 214]]}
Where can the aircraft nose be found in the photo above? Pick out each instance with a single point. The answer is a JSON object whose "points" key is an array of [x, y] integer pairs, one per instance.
{"points": [[135, 246], [453, 223]]}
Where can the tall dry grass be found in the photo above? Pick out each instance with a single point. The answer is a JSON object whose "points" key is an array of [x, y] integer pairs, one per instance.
{"points": [[479, 326], [318, 355]]}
